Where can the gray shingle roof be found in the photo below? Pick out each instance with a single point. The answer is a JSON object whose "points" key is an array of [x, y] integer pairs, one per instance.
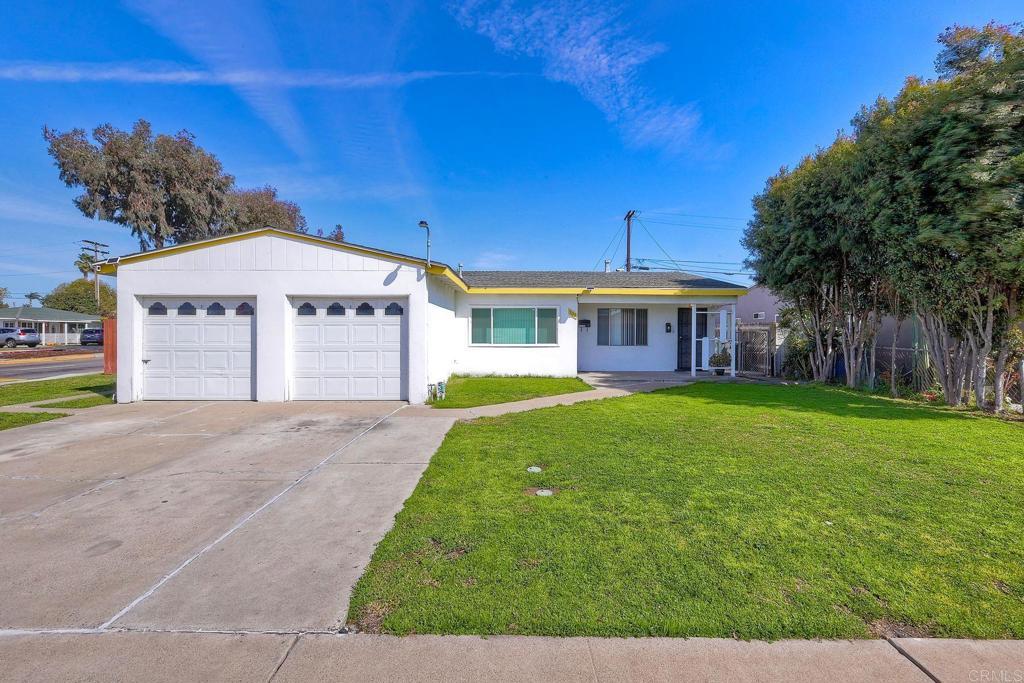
{"points": [[581, 278], [42, 314]]}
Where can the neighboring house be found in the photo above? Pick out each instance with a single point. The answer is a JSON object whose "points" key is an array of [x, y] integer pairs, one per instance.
{"points": [[759, 306], [54, 325], [271, 315]]}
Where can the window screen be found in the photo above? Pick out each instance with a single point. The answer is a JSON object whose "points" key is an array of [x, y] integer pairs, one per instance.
{"points": [[481, 323]]}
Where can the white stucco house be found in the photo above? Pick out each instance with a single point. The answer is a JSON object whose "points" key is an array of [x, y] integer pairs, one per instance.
{"points": [[271, 315]]}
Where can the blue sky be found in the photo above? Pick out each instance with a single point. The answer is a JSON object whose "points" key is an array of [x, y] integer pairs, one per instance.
{"points": [[522, 131]]}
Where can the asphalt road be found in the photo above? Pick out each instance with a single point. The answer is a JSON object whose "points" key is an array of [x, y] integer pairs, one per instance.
{"points": [[48, 367]]}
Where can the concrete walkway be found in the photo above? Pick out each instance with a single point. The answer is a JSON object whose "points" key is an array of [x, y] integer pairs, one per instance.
{"points": [[198, 656], [605, 385]]}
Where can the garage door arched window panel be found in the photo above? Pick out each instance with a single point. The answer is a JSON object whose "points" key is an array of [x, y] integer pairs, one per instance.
{"points": [[335, 309], [364, 309], [157, 308], [393, 309], [215, 309], [186, 309], [244, 308], [307, 309]]}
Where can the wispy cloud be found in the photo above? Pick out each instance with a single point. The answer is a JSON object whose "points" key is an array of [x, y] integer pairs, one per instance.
{"points": [[170, 74], [232, 37], [588, 46], [493, 260]]}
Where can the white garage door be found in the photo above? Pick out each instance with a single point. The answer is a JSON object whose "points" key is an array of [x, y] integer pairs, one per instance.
{"points": [[348, 349], [198, 349]]}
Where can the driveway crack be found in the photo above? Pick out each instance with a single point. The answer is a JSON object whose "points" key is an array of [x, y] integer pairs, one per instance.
{"points": [[291, 646]]}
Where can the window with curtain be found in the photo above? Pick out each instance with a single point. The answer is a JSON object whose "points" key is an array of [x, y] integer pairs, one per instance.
{"points": [[514, 326], [622, 327]]}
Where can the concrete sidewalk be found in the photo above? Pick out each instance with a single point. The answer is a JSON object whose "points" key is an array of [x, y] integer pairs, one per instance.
{"points": [[188, 656]]}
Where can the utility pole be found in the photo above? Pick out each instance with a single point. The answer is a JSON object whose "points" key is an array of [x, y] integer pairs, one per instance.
{"points": [[629, 240], [96, 253]]}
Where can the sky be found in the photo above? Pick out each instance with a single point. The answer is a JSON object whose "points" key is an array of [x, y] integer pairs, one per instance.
{"points": [[522, 131]]}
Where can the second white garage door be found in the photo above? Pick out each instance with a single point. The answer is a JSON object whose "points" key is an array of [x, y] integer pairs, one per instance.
{"points": [[348, 349]]}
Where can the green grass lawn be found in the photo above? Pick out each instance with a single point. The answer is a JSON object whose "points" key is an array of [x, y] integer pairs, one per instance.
{"points": [[12, 420], [725, 510], [84, 402], [27, 392], [466, 392]]}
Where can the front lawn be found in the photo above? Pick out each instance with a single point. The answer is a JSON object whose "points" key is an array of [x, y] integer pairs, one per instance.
{"points": [[467, 392], [12, 420], [27, 392], [83, 402], [723, 510]]}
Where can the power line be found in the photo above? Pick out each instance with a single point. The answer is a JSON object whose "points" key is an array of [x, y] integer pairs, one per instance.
{"points": [[654, 239], [616, 234], [696, 225], [696, 215], [616, 252]]}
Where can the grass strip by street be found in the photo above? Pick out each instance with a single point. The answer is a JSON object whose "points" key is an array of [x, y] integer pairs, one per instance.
{"points": [[468, 392], [27, 392], [721, 510], [12, 420], [83, 402]]}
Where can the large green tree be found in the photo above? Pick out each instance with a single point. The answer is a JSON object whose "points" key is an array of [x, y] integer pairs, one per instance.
{"points": [[80, 296], [922, 208], [164, 188], [261, 208]]}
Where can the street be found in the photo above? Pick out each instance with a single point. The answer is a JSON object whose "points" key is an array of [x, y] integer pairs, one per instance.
{"points": [[49, 367]]}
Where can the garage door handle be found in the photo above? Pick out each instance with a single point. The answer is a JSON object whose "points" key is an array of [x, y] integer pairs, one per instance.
{"points": [[145, 360]]}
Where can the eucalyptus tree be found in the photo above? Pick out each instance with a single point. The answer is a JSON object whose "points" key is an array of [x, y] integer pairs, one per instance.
{"points": [[166, 189]]}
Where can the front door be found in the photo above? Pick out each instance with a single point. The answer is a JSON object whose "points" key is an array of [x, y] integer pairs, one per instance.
{"points": [[685, 330]]}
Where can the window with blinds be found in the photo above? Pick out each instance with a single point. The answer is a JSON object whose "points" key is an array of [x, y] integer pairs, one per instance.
{"points": [[514, 326], [622, 327]]}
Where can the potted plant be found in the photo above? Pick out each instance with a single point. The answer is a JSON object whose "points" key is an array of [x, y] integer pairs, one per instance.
{"points": [[720, 361]]}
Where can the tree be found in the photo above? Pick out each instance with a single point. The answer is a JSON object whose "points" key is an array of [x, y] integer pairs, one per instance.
{"points": [[338, 234], [3, 297], [86, 263], [260, 208], [33, 296], [80, 297], [164, 188], [922, 208]]}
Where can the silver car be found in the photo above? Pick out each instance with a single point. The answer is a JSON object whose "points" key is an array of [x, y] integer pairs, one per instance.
{"points": [[12, 336]]}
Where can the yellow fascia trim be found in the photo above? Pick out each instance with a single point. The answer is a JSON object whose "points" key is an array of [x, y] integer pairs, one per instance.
{"points": [[731, 291]]}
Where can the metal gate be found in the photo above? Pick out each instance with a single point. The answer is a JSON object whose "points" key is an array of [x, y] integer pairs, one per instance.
{"points": [[756, 350]]}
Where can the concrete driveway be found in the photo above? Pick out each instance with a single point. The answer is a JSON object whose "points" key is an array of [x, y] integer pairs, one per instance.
{"points": [[202, 516]]}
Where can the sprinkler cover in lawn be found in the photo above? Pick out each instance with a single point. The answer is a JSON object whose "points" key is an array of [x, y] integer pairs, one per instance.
{"points": [[533, 469], [545, 492]]}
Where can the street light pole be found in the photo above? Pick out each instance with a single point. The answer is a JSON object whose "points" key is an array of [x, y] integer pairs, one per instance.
{"points": [[426, 226]]}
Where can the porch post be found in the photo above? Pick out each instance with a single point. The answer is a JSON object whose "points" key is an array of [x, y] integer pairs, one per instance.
{"points": [[65, 334], [732, 342], [693, 340]]}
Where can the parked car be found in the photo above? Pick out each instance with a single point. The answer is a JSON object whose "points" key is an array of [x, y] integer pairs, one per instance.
{"points": [[91, 335], [12, 336]]}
